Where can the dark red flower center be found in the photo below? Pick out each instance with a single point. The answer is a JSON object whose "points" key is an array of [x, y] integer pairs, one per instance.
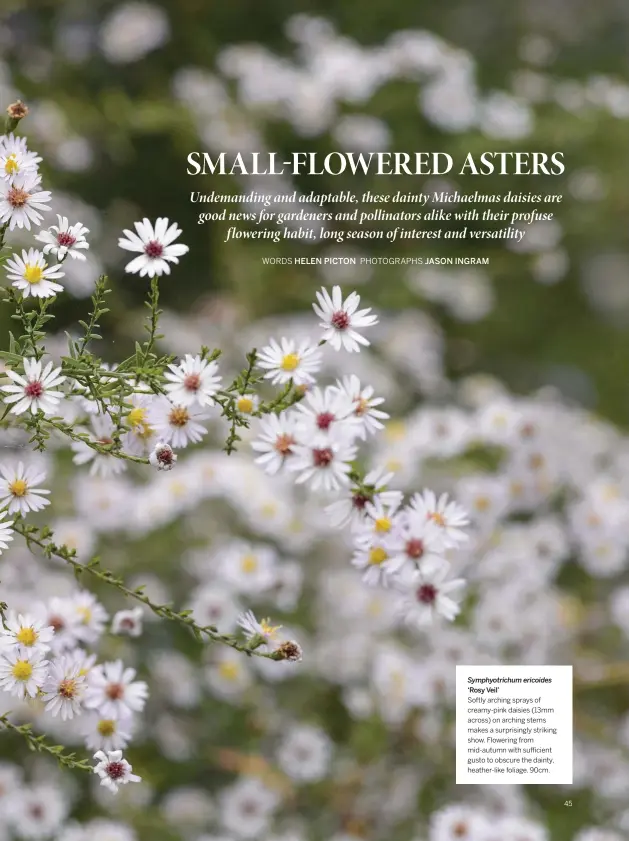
{"points": [[165, 456], [115, 691], [192, 382], [414, 548], [65, 239], [322, 458], [340, 320], [324, 420], [153, 249], [426, 594], [359, 501], [115, 770], [34, 389]]}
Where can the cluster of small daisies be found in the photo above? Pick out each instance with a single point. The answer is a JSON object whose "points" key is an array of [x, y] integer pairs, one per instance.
{"points": [[46, 659]]}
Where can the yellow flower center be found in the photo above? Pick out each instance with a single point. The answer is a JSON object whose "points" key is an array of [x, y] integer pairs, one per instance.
{"points": [[106, 727], [393, 465], [290, 362], [268, 629], [137, 416], [437, 518], [67, 688], [383, 524], [245, 404], [85, 613], [22, 670], [18, 488], [395, 430], [27, 636], [138, 422], [229, 670], [249, 563], [33, 274], [178, 416], [377, 555], [482, 503], [11, 166]]}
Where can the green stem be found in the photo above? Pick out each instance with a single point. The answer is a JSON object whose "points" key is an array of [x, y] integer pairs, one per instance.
{"points": [[39, 744]]}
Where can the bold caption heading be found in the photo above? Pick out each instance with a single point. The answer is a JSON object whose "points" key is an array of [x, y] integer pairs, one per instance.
{"points": [[375, 163]]}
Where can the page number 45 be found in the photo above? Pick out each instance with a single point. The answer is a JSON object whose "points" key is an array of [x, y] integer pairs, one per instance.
{"points": [[568, 803]]}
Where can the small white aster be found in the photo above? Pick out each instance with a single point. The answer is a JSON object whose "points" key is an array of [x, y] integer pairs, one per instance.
{"points": [[342, 319], [193, 381], [364, 405], [429, 593], [114, 770], [324, 464], [106, 734], [15, 159], [6, 532], [63, 688], [128, 622], [32, 275], [101, 463], [19, 491], [155, 246], [24, 631], [275, 442], [36, 390], [21, 201], [113, 691], [175, 424], [22, 671], [63, 240], [286, 361], [448, 516], [262, 631], [162, 456]]}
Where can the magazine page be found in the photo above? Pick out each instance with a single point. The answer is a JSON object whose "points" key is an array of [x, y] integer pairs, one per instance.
{"points": [[314, 397]]}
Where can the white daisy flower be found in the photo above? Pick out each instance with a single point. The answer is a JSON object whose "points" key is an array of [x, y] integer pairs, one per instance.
{"points": [[162, 456], [372, 559], [193, 381], [58, 613], [341, 319], [36, 390], [449, 517], [246, 404], [63, 240], [155, 246], [6, 532], [19, 491], [364, 405], [380, 521], [351, 509], [22, 671], [276, 439], [325, 464], [128, 622], [113, 691], [262, 631], [141, 435], [64, 688], [326, 412], [113, 770], [15, 159], [106, 734], [428, 593], [24, 631], [101, 432], [91, 617], [175, 424], [21, 201], [287, 361]]}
